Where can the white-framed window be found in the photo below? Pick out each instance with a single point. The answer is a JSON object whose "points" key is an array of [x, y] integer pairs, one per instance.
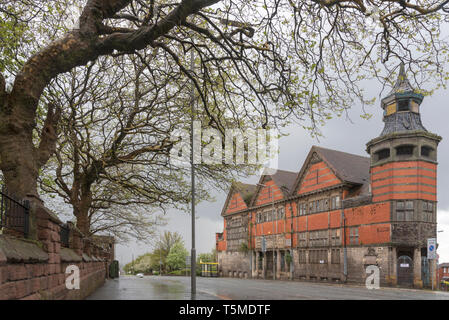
{"points": [[302, 209], [312, 207], [354, 235], [335, 202], [280, 213], [326, 204]]}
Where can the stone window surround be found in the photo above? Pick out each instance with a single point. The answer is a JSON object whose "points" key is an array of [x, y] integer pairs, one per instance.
{"points": [[325, 204]]}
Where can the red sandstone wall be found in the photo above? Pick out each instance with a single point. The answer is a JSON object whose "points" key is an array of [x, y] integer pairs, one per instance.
{"points": [[28, 279], [404, 180], [318, 176], [264, 196], [373, 221], [236, 203]]}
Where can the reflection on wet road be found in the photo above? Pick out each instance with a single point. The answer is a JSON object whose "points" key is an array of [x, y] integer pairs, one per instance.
{"points": [[178, 288], [147, 288]]}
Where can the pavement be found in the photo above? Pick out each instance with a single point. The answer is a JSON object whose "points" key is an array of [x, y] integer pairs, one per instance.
{"points": [[178, 288]]}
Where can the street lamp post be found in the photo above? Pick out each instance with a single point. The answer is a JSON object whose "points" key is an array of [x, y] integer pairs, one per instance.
{"points": [[438, 271], [192, 173]]}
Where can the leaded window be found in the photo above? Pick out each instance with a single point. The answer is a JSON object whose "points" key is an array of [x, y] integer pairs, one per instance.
{"points": [[354, 235], [404, 210]]}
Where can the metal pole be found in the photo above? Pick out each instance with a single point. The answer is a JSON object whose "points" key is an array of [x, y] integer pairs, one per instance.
{"points": [[274, 215], [192, 173], [345, 254], [250, 215], [437, 260]]}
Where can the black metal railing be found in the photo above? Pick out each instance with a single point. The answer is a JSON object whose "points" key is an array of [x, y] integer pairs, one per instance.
{"points": [[14, 213], [64, 235]]}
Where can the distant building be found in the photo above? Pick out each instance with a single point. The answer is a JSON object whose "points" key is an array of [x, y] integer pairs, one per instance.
{"points": [[342, 212], [443, 275], [107, 243]]}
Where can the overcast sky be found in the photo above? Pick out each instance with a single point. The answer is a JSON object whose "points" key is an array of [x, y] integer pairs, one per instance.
{"points": [[348, 135]]}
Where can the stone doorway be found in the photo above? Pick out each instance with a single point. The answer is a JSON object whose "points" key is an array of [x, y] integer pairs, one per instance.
{"points": [[405, 270], [271, 264]]}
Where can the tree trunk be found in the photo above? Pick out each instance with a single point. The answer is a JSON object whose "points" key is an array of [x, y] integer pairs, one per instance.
{"points": [[82, 220], [19, 167], [81, 210], [17, 153], [20, 160]]}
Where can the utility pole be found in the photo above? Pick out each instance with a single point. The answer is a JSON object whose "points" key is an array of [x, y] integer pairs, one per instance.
{"points": [[437, 262], [192, 173], [345, 252], [274, 215]]}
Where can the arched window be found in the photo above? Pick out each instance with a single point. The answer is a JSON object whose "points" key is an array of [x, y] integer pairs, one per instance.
{"points": [[427, 151], [382, 154], [405, 150]]}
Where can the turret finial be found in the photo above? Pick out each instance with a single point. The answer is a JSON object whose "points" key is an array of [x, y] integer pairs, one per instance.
{"points": [[402, 84], [401, 106]]}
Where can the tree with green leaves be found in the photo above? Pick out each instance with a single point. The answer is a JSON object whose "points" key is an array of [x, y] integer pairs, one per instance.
{"points": [[176, 258], [207, 257], [142, 264], [162, 249]]}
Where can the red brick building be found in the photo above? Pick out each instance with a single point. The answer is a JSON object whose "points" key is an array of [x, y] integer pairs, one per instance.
{"points": [[342, 212], [443, 276]]}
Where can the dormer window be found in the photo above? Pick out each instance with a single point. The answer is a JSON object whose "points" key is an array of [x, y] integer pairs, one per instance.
{"points": [[403, 105]]}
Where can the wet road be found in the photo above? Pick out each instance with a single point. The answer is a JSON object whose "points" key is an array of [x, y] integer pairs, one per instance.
{"points": [[178, 288]]}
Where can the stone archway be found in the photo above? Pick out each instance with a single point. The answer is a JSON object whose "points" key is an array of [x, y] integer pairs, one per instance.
{"points": [[405, 271]]}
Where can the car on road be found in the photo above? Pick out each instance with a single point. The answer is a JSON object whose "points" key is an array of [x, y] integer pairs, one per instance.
{"points": [[140, 275]]}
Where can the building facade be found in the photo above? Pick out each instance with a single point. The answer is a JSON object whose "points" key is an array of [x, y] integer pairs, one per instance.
{"points": [[443, 276], [342, 212]]}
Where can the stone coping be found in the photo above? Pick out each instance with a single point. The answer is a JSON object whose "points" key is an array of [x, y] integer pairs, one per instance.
{"points": [[13, 250], [68, 255], [86, 258]]}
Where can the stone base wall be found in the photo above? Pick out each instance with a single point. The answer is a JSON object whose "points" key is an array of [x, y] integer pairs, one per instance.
{"points": [[358, 259], [234, 264], [44, 281]]}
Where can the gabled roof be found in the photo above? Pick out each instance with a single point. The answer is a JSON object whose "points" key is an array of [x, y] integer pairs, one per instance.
{"points": [[284, 180], [246, 191], [348, 167]]}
